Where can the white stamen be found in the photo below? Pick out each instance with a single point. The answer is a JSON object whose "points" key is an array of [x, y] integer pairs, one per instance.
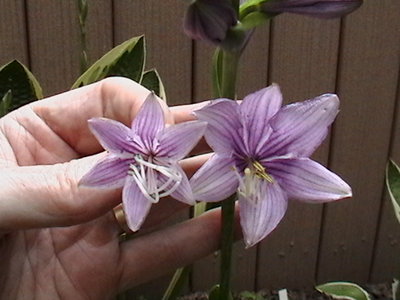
{"points": [[250, 182], [146, 179]]}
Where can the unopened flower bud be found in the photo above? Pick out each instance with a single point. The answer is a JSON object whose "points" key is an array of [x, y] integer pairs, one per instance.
{"points": [[209, 20], [314, 8]]}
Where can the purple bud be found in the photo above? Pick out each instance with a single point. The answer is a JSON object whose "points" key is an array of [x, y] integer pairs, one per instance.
{"points": [[314, 8], [209, 20]]}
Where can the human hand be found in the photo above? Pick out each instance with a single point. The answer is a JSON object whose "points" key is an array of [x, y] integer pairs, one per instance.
{"points": [[61, 241]]}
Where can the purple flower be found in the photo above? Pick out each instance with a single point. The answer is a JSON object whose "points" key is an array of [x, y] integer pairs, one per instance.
{"points": [[143, 159], [314, 8], [262, 150], [209, 20]]}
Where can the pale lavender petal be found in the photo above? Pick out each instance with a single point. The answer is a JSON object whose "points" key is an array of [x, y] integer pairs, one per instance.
{"points": [[300, 128], [307, 180], [177, 141], [149, 120], [136, 205], [114, 136], [110, 172], [259, 216], [256, 110], [184, 191], [215, 180], [223, 126]]}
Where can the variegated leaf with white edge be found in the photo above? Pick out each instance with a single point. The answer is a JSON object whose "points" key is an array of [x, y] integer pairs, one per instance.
{"points": [[343, 290]]}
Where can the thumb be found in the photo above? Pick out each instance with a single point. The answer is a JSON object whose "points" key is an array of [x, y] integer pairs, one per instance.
{"points": [[49, 195]]}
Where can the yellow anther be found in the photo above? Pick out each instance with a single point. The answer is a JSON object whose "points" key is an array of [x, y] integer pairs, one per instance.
{"points": [[261, 172]]}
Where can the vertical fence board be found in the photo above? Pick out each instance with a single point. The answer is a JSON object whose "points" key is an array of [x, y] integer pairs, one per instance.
{"points": [[252, 76], [367, 86], [13, 40], [386, 263], [303, 63], [170, 52], [99, 28], [54, 43]]}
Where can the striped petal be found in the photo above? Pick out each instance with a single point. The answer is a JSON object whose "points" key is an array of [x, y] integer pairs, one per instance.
{"points": [[183, 192], [136, 205], [149, 120], [261, 212], [114, 136], [307, 180], [177, 141], [110, 172], [223, 126], [300, 128], [215, 180], [256, 110]]}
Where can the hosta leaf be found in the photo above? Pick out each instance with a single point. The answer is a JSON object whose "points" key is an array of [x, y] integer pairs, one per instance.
{"points": [[127, 60], [24, 87], [5, 103], [214, 293], [343, 290], [393, 186], [152, 81]]}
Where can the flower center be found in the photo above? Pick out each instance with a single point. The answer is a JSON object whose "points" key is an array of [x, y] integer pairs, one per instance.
{"points": [[249, 183], [154, 181]]}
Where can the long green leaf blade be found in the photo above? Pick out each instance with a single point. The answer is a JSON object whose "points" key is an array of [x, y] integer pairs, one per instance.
{"points": [[393, 186], [126, 59], [152, 81], [5, 103]]}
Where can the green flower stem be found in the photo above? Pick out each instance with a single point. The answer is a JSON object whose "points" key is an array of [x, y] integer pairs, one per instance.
{"points": [[229, 66], [225, 75], [227, 237]]}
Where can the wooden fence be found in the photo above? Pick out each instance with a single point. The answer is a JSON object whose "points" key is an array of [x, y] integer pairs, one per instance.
{"points": [[357, 57]]}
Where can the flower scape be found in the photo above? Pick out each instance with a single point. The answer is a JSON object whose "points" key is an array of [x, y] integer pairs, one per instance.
{"points": [[261, 151]]}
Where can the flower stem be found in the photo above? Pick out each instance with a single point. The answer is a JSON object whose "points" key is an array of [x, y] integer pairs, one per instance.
{"points": [[228, 215], [230, 61], [225, 75]]}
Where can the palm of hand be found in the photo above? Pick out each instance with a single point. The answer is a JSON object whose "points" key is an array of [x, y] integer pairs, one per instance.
{"points": [[60, 241], [76, 262]]}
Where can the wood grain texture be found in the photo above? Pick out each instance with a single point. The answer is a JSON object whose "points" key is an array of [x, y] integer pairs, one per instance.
{"points": [[169, 50], [303, 63], [386, 262], [54, 43], [367, 85], [252, 76], [99, 29], [13, 35]]}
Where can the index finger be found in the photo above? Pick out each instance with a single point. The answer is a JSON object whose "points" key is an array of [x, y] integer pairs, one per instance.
{"points": [[115, 98]]}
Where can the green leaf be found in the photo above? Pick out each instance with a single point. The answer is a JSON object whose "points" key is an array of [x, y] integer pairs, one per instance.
{"points": [[176, 285], [152, 81], [15, 77], [393, 186], [254, 19], [217, 72], [214, 293], [250, 296], [5, 103], [127, 60], [343, 290]]}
